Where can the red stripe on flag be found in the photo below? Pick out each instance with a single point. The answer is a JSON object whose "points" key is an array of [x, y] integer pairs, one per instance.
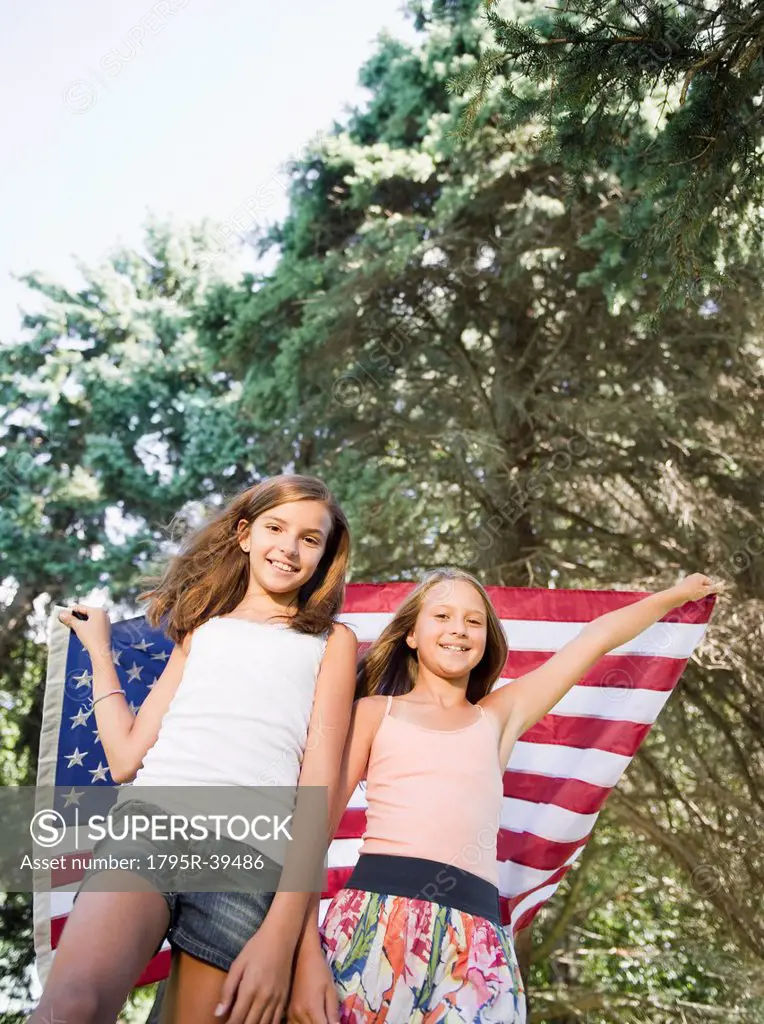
{"points": [[612, 735], [375, 597], [627, 672], [69, 872], [56, 927], [534, 851], [352, 824], [572, 794], [335, 880], [158, 968], [526, 918], [531, 604]]}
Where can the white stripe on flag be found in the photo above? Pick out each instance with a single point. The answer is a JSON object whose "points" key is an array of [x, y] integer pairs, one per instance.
{"points": [[61, 902], [518, 878], [366, 625], [548, 821], [600, 767], [532, 900], [663, 639], [343, 853], [616, 703], [358, 798]]}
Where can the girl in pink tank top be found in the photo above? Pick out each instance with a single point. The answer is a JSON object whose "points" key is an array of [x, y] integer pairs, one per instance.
{"points": [[415, 937]]}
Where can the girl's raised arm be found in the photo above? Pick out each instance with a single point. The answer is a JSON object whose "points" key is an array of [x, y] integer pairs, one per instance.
{"points": [[126, 738], [525, 701]]}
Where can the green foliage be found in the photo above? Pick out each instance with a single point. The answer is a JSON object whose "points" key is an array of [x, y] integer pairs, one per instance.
{"points": [[638, 943], [664, 98]]}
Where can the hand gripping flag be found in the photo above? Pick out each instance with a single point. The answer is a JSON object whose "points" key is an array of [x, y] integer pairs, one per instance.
{"points": [[557, 778]]}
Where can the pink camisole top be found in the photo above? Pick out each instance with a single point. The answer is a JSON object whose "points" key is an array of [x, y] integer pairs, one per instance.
{"points": [[435, 793]]}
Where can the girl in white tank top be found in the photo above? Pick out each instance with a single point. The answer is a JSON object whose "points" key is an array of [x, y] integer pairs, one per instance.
{"points": [[257, 692]]}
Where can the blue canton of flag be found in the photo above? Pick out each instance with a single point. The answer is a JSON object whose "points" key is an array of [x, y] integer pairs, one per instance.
{"points": [[139, 653], [72, 758]]}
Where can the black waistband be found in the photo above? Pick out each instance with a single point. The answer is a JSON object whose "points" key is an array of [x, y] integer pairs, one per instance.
{"points": [[429, 880]]}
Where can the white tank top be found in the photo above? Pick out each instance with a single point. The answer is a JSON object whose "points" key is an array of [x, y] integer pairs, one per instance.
{"points": [[239, 716]]}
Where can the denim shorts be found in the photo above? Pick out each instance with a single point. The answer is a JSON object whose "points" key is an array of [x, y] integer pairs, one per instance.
{"points": [[215, 926], [211, 926]]}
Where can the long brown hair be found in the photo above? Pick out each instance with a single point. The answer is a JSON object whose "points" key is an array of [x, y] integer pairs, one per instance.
{"points": [[389, 666], [210, 574]]}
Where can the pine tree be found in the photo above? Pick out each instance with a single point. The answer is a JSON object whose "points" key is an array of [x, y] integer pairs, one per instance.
{"points": [[664, 99]]}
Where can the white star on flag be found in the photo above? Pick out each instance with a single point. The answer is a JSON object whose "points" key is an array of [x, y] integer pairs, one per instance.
{"points": [[142, 646], [134, 672], [99, 773], [84, 680], [134, 708], [73, 797], [162, 656], [115, 655], [81, 718], [75, 758]]}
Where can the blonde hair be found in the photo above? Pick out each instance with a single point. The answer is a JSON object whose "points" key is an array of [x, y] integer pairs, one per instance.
{"points": [[210, 574], [389, 666]]}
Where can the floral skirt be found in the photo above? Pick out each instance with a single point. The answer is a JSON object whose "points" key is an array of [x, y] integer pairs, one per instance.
{"points": [[409, 961]]}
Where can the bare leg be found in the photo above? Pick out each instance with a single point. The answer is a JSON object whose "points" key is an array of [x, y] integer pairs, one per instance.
{"points": [[107, 941], [193, 991]]}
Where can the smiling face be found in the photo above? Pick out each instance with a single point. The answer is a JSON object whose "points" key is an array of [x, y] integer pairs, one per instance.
{"points": [[451, 629], [286, 543]]}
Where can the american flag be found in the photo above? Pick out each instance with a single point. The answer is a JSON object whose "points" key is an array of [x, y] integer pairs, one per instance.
{"points": [[557, 778]]}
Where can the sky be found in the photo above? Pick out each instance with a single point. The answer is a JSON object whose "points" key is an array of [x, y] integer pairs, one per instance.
{"points": [[182, 109]]}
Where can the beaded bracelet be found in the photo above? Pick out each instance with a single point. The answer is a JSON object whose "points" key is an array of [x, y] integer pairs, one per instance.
{"points": [[103, 696]]}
